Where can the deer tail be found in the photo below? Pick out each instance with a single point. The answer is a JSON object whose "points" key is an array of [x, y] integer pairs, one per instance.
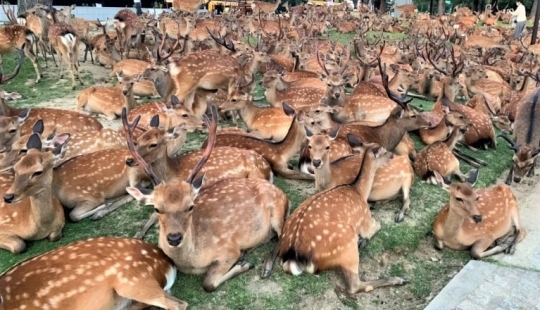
{"points": [[69, 40]]}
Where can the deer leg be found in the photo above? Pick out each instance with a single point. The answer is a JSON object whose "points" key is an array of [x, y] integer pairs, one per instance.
{"points": [[105, 209], [72, 73], [52, 51], [406, 202], [83, 209], [287, 173], [221, 270], [478, 250], [152, 294], [55, 235], [12, 243], [269, 263], [508, 180], [151, 221], [33, 58]]}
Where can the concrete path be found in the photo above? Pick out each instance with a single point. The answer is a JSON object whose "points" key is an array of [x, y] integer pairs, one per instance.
{"points": [[513, 281]]}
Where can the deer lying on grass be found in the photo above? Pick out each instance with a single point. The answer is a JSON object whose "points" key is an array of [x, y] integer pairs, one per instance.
{"points": [[393, 177], [112, 278], [187, 212], [134, 68], [316, 239], [526, 144], [109, 100], [486, 221], [276, 153], [30, 211]]}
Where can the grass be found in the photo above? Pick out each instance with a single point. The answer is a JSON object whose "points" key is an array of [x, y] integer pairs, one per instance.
{"points": [[403, 249]]}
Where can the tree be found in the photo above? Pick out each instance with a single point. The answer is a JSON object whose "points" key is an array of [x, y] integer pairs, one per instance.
{"points": [[440, 9], [24, 5]]}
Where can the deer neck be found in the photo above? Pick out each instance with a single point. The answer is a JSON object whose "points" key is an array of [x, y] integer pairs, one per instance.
{"points": [[454, 222], [455, 136], [391, 133], [131, 103], [164, 166], [7, 110], [272, 93], [248, 112], [327, 122], [42, 204], [446, 92], [440, 129], [323, 175], [164, 85], [183, 256], [292, 142], [366, 175], [253, 66], [283, 85]]}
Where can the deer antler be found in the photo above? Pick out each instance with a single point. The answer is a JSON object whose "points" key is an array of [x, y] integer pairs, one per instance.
{"points": [[212, 132], [10, 14], [8, 78], [512, 145], [321, 64], [129, 128], [221, 41], [433, 62], [399, 100]]}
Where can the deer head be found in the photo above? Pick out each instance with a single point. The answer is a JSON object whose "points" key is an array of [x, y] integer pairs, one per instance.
{"points": [[127, 82], [319, 146], [10, 129]]}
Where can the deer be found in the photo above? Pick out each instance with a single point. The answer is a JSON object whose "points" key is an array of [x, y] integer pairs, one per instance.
{"points": [[15, 37], [64, 41], [276, 153], [127, 25], [268, 123], [526, 143], [264, 7], [439, 157], [10, 129], [186, 211], [484, 221], [135, 68], [109, 101], [30, 210], [316, 239], [442, 131], [102, 281], [395, 176]]}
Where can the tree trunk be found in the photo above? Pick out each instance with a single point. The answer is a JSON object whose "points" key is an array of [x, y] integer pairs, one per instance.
{"points": [[382, 6], [24, 5], [533, 9], [440, 10]]}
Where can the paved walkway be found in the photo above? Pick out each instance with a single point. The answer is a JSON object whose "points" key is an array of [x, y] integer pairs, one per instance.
{"points": [[514, 283]]}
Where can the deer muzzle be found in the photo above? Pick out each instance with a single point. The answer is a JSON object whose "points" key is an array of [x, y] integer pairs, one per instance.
{"points": [[517, 179], [131, 162], [174, 239], [125, 92], [8, 198], [477, 218]]}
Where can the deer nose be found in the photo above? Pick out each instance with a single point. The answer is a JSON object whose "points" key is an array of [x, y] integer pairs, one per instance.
{"points": [[124, 92], [130, 162], [316, 163], [174, 239], [8, 198], [337, 95], [477, 218], [517, 179]]}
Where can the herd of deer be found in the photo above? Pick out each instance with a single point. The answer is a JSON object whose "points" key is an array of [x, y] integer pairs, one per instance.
{"points": [[346, 118]]}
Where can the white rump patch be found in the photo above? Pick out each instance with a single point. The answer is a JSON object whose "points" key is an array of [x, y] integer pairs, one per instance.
{"points": [[171, 277]]}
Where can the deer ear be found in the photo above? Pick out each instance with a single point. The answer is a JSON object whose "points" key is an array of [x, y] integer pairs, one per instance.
{"points": [[309, 134], [34, 142], [73, 6], [175, 101], [162, 107], [61, 142], [138, 78], [289, 111], [441, 181], [23, 116], [398, 112], [38, 127], [472, 176], [334, 133], [354, 142], [145, 199], [119, 75], [154, 122], [196, 185], [174, 132]]}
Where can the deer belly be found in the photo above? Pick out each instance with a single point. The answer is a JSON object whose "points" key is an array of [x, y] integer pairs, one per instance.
{"points": [[214, 81], [144, 88]]}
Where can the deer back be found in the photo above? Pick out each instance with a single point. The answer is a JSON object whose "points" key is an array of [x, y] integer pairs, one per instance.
{"points": [[64, 121]]}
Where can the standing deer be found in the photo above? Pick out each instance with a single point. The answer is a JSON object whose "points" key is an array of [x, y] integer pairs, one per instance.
{"points": [[526, 144], [30, 210], [319, 236], [96, 273], [187, 215], [486, 221]]}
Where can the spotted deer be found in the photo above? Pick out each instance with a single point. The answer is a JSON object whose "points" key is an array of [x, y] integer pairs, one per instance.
{"points": [[30, 210], [134, 68], [265, 7], [390, 179], [140, 275], [442, 131], [526, 143], [300, 98], [107, 100], [276, 153], [186, 211], [10, 129], [127, 25], [316, 239], [485, 221]]}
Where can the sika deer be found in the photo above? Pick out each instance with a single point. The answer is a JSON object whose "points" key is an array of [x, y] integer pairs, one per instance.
{"points": [[187, 215], [10, 129], [486, 221], [109, 100], [443, 130], [29, 210], [526, 144], [392, 178], [316, 239], [108, 272], [276, 153]]}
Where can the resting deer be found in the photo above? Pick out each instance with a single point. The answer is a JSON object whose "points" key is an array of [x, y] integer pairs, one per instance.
{"points": [[486, 221], [116, 272], [276, 153], [316, 238], [526, 144], [30, 210], [10, 129], [390, 179], [107, 100], [187, 215]]}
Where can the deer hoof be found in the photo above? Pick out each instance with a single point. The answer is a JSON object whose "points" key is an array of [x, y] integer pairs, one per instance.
{"points": [[266, 273], [400, 217]]}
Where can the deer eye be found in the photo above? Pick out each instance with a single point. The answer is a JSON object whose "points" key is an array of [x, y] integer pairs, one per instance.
{"points": [[309, 147], [12, 131], [459, 199], [328, 147], [317, 111], [477, 198], [191, 208], [153, 145], [233, 100], [37, 174], [185, 115], [413, 116], [157, 210]]}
